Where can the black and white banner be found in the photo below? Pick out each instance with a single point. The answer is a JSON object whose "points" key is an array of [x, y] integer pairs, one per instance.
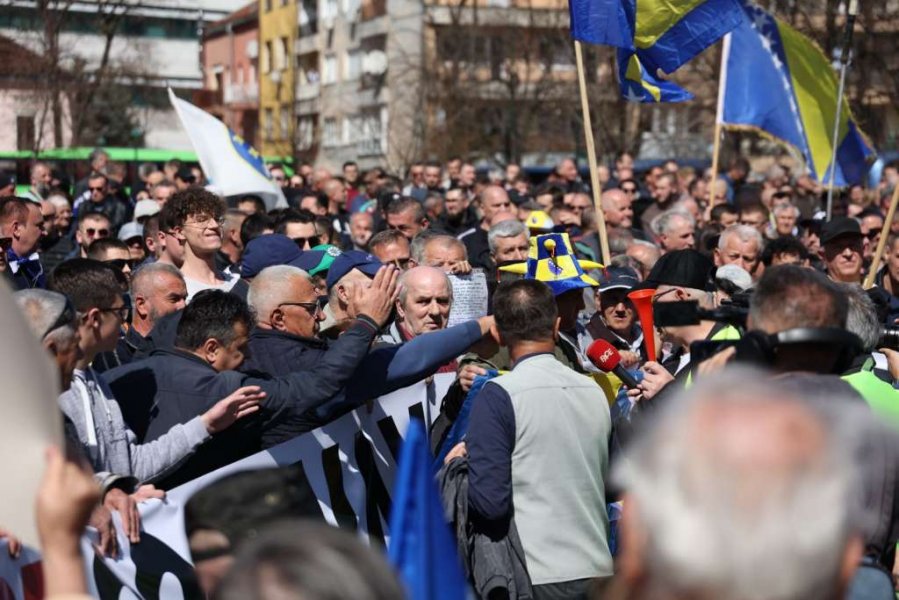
{"points": [[349, 465]]}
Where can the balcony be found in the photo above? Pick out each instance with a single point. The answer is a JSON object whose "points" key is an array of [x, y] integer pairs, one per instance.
{"points": [[241, 94], [307, 90]]}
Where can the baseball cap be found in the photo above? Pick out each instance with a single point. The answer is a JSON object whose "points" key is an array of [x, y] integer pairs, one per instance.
{"points": [[839, 226], [145, 208], [319, 259], [618, 278], [131, 230], [349, 260], [681, 268], [267, 251]]}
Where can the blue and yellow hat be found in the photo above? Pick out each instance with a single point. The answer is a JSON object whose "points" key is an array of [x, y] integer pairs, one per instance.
{"points": [[539, 221], [552, 261]]}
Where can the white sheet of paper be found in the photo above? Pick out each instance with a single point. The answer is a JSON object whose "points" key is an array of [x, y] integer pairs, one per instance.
{"points": [[469, 297], [31, 419]]}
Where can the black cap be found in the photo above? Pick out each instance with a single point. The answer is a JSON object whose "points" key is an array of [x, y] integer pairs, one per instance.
{"points": [[839, 226], [682, 268], [185, 175]]}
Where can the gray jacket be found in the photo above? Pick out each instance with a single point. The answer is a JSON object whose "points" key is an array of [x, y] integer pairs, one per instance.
{"points": [[110, 446]]}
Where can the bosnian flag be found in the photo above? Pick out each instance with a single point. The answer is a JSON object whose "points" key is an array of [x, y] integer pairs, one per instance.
{"points": [[231, 165]]}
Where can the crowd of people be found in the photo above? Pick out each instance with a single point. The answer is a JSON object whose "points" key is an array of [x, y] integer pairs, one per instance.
{"points": [[742, 445]]}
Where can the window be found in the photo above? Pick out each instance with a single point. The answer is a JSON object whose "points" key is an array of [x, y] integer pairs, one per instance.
{"points": [[283, 52], [330, 8], [305, 133], [268, 124], [352, 65], [329, 69], [25, 133], [330, 132], [265, 61], [285, 122]]}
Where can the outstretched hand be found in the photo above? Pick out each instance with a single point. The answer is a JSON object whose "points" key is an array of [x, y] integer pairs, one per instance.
{"points": [[244, 401]]}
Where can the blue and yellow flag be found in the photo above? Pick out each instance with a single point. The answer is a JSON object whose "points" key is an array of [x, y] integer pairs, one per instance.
{"points": [[656, 37], [778, 81]]}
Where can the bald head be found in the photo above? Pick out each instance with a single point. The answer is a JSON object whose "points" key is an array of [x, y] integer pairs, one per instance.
{"points": [[157, 289], [425, 299], [494, 200], [616, 207]]}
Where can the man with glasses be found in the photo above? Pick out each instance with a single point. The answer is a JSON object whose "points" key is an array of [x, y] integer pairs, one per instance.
{"points": [[197, 217], [288, 316], [91, 227], [21, 230], [299, 225], [97, 199], [114, 253], [108, 444]]}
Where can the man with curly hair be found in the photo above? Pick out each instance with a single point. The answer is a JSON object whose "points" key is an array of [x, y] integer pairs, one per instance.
{"points": [[196, 217]]}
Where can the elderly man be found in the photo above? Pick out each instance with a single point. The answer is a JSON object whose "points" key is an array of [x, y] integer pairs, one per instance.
{"points": [[441, 251], [740, 245], [351, 271], [407, 216], [53, 319], [23, 226], [392, 248], [616, 320], [646, 254], [228, 256], [157, 290], [508, 241], [703, 464], [616, 207], [423, 306], [288, 315], [362, 226], [494, 200], [785, 218], [98, 199], [40, 182], [675, 230]]}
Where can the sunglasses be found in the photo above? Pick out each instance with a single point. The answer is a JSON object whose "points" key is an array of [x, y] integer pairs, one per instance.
{"points": [[119, 264], [312, 240], [96, 189], [628, 190], [91, 232]]}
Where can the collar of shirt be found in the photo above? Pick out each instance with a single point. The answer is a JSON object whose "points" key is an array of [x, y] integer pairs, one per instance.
{"points": [[521, 359]]}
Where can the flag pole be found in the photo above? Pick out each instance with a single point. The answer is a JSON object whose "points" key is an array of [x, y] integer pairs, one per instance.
{"points": [[845, 59], [719, 118], [881, 244], [591, 158]]}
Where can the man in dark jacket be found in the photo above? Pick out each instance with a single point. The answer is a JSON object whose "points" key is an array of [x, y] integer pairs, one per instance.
{"points": [[284, 341], [173, 386]]}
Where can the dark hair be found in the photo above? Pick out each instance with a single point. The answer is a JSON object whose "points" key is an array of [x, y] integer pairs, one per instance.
{"points": [[309, 560], [721, 209], [755, 207], [258, 202], [293, 215], [88, 283], [98, 248], [740, 163], [555, 191], [254, 226], [783, 245], [212, 314], [404, 203], [793, 296], [191, 202], [349, 163], [85, 216], [525, 310]]}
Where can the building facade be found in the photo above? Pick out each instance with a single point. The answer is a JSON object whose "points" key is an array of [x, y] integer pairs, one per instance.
{"points": [[230, 72], [277, 37], [152, 46]]}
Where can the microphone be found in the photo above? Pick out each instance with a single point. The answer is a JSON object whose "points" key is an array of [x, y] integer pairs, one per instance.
{"points": [[606, 358]]}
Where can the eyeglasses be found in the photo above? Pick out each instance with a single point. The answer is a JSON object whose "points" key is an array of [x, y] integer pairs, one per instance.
{"points": [[313, 308], [122, 313], [204, 222], [119, 264], [65, 318], [312, 240], [96, 189], [629, 190], [101, 233]]}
